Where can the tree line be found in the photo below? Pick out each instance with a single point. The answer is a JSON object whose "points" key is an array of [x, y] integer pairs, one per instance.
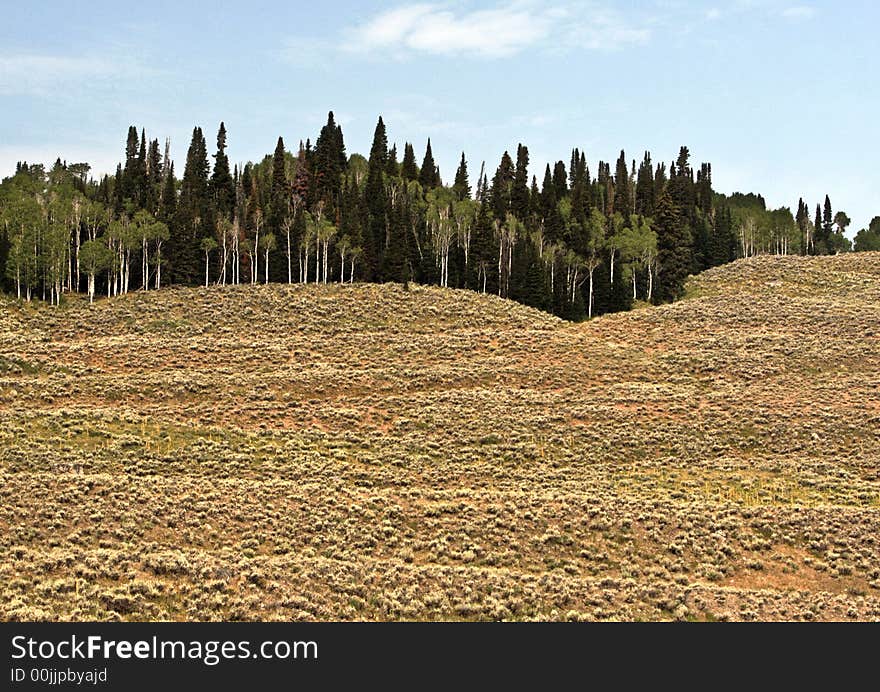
{"points": [[578, 244]]}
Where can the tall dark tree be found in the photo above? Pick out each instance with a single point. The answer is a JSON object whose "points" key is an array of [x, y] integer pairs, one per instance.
{"points": [[645, 189], [193, 220], [376, 202], [461, 186], [392, 167], [408, 169], [502, 187], [622, 202], [560, 180], [827, 224], [429, 175], [222, 185], [519, 194], [673, 249], [329, 161], [154, 177]]}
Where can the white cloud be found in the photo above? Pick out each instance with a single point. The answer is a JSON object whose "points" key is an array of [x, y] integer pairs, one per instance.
{"points": [[491, 33], [45, 75], [40, 74], [799, 12]]}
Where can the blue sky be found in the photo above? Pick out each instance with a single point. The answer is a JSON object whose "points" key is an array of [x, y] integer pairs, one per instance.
{"points": [[781, 96]]}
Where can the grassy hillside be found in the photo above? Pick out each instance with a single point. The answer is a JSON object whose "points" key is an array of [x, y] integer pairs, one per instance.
{"points": [[361, 452]]}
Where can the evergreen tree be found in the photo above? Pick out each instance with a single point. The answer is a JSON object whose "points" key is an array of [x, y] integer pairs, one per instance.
{"points": [[673, 249], [645, 189], [502, 187], [392, 168], [821, 242], [429, 175], [222, 185], [193, 219], [329, 161], [519, 194], [560, 180], [409, 170], [827, 224], [461, 186], [622, 202], [376, 202]]}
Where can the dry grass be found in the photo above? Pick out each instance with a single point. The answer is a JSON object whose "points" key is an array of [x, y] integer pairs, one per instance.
{"points": [[275, 453]]}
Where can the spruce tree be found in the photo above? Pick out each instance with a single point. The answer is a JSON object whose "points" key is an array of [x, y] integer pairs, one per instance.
{"points": [[193, 220], [329, 161], [376, 202], [222, 185], [645, 189], [673, 249], [827, 224], [461, 186], [519, 194], [409, 170], [429, 176], [392, 167], [502, 187], [622, 202], [560, 180]]}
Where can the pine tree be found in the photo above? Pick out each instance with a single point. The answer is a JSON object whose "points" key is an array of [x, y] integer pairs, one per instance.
{"points": [[329, 161], [222, 185], [461, 186], [622, 202], [827, 224], [673, 249], [560, 180], [409, 170], [645, 189], [193, 220], [125, 177], [821, 243], [519, 194], [429, 176], [502, 187], [154, 177], [392, 167], [376, 202]]}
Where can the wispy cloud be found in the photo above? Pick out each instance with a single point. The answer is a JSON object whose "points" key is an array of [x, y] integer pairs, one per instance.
{"points": [[44, 75], [40, 74], [799, 12], [498, 32]]}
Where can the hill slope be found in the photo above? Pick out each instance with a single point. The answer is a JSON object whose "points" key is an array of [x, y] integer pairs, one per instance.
{"points": [[361, 452]]}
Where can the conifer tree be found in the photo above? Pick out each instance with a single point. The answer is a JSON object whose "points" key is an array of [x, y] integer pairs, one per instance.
{"points": [[502, 187], [222, 185], [827, 224], [409, 170], [375, 201], [329, 161], [461, 185], [645, 189], [429, 176], [673, 249], [560, 180], [519, 194], [392, 167], [622, 202], [193, 220]]}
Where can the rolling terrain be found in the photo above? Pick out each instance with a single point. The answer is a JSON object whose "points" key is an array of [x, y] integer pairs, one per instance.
{"points": [[364, 452]]}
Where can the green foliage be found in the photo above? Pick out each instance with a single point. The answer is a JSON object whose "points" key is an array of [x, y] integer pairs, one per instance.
{"points": [[868, 239]]}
